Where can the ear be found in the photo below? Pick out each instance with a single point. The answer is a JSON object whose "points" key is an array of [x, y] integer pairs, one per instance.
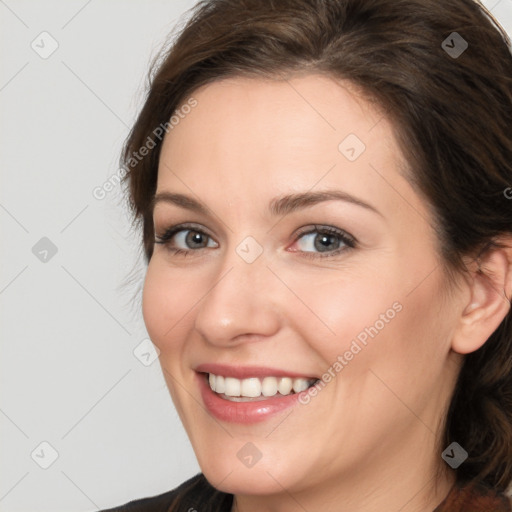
{"points": [[490, 291]]}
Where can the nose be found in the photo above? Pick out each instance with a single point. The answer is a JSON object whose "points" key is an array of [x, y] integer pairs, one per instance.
{"points": [[241, 304]]}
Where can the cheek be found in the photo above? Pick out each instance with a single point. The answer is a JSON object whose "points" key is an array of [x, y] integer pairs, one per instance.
{"points": [[335, 310], [165, 304], [372, 318]]}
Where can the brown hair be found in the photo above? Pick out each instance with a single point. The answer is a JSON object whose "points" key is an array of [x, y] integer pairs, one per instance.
{"points": [[452, 116]]}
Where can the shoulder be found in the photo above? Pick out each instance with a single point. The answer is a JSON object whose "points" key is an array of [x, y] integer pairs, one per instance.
{"points": [[193, 495], [475, 497]]}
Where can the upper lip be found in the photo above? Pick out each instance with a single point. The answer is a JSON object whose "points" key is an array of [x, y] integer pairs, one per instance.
{"points": [[244, 372]]}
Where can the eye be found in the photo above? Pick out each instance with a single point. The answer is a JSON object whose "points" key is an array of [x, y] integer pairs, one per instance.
{"points": [[324, 241], [183, 239], [313, 241]]}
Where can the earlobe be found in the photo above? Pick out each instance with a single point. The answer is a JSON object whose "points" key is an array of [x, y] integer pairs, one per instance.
{"points": [[490, 286]]}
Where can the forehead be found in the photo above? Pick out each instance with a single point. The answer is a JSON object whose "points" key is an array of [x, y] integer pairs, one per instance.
{"points": [[249, 137], [285, 117]]}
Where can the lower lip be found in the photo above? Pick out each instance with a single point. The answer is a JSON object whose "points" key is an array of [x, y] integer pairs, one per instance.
{"points": [[243, 412]]}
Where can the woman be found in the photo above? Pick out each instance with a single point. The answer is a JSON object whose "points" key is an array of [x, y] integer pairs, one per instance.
{"points": [[322, 188]]}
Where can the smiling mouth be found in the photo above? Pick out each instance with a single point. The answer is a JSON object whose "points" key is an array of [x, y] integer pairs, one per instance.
{"points": [[256, 389]]}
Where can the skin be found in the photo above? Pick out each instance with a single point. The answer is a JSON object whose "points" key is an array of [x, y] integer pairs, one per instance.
{"points": [[367, 441]]}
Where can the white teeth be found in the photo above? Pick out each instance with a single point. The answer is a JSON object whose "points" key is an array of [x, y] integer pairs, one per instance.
{"points": [[253, 387], [233, 386], [300, 385], [285, 385], [269, 386], [220, 384]]}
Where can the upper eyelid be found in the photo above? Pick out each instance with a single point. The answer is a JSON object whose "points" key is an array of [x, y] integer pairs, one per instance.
{"points": [[199, 227], [184, 227]]}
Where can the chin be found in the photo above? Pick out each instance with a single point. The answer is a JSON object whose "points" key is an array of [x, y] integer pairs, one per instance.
{"points": [[267, 476], [246, 481]]}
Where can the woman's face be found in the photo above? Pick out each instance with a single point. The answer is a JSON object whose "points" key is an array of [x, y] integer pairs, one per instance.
{"points": [[304, 254]]}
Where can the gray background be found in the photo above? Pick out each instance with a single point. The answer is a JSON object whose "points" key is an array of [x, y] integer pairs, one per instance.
{"points": [[76, 373]]}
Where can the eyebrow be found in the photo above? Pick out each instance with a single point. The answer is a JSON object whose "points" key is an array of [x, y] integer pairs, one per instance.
{"points": [[278, 206]]}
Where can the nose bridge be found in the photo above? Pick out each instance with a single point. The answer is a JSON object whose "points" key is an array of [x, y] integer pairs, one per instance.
{"points": [[241, 298]]}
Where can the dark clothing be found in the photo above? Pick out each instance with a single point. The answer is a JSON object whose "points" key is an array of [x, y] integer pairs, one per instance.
{"points": [[197, 495], [474, 499]]}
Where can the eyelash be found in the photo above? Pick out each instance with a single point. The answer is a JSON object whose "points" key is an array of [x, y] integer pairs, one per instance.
{"points": [[347, 239]]}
